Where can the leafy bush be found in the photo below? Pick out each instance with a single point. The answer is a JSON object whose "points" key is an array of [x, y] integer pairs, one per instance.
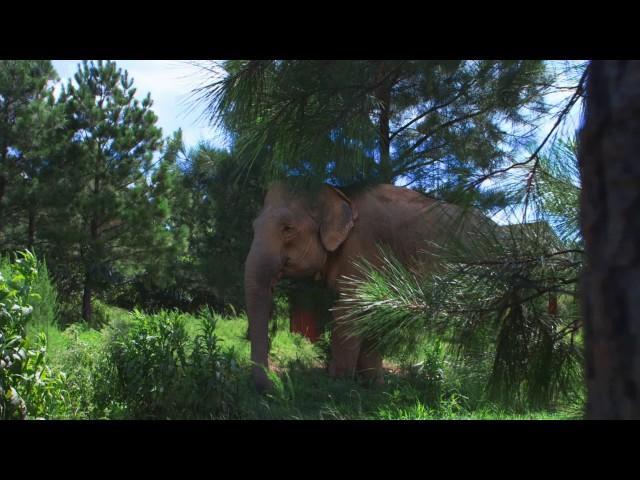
{"points": [[28, 387], [153, 370]]}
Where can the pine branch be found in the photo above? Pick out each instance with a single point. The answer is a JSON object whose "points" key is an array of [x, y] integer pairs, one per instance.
{"points": [[461, 92], [535, 155]]}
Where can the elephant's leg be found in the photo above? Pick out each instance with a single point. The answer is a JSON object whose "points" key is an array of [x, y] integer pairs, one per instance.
{"points": [[344, 352], [370, 365]]}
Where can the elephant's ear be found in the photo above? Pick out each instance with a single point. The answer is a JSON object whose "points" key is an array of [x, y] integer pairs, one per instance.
{"points": [[337, 218]]}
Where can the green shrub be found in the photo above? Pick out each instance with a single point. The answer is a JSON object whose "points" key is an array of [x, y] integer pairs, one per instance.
{"points": [[28, 387], [153, 370], [101, 314]]}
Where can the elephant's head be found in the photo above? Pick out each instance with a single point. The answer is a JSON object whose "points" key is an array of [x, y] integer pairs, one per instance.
{"points": [[293, 235]]}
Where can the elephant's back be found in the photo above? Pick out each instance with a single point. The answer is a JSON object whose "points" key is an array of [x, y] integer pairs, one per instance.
{"points": [[407, 220], [399, 196], [403, 208]]}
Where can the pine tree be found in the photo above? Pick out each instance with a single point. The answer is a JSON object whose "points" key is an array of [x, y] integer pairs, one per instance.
{"points": [[26, 127], [162, 267], [111, 219], [435, 125], [216, 208]]}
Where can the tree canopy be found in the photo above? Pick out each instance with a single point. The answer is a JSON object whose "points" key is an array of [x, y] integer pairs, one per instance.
{"points": [[433, 125]]}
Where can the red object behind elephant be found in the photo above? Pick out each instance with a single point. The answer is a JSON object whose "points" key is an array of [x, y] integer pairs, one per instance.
{"points": [[304, 323]]}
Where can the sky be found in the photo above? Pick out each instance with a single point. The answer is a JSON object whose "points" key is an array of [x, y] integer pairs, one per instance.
{"points": [[170, 83]]}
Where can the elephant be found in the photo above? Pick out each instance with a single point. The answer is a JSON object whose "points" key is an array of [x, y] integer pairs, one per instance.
{"points": [[320, 235]]}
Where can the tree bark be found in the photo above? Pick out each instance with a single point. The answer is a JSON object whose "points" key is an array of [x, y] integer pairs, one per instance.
{"points": [[87, 307], [31, 232], [609, 160], [2, 189], [383, 94], [3, 179]]}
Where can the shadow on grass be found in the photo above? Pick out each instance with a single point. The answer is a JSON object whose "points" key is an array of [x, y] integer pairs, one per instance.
{"points": [[303, 392], [307, 393]]}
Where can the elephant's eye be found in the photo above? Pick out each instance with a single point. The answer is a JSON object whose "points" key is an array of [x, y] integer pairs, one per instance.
{"points": [[288, 230]]}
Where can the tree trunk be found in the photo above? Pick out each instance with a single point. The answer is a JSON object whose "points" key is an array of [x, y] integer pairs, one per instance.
{"points": [[3, 182], [3, 178], [31, 233], [383, 94], [610, 205], [87, 307], [2, 189]]}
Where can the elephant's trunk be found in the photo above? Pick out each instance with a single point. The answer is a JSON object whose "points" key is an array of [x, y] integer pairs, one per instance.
{"points": [[260, 275]]}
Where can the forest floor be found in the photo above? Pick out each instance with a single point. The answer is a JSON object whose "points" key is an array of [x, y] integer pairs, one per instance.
{"points": [[306, 392]]}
